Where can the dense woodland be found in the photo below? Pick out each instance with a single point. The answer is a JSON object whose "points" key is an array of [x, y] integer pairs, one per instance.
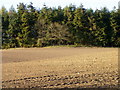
{"points": [[71, 25]]}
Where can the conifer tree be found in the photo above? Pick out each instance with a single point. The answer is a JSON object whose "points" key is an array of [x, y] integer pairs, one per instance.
{"points": [[5, 24], [12, 29]]}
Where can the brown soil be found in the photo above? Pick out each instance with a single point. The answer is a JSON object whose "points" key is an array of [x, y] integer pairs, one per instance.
{"points": [[60, 68]]}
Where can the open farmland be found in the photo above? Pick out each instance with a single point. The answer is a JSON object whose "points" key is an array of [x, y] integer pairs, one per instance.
{"points": [[60, 68]]}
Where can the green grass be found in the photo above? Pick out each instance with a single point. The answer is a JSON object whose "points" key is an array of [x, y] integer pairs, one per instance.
{"points": [[67, 46], [55, 46]]}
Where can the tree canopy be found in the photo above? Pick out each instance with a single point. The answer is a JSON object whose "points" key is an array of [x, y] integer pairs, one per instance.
{"points": [[71, 25]]}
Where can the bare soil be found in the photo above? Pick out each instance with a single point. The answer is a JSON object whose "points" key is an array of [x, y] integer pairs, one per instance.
{"points": [[60, 68]]}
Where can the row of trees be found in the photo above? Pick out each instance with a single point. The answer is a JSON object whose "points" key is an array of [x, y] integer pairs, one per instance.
{"points": [[71, 25]]}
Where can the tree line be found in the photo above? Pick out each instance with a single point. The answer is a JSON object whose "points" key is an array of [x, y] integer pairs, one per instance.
{"points": [[71, 25]]}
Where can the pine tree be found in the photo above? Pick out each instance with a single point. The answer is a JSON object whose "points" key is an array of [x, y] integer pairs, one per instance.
{"points": [[33, 15], [115, 23], [5, 24], [12, 29]]}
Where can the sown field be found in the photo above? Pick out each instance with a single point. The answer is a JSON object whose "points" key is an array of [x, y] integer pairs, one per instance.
{"points": [[60, 68]]}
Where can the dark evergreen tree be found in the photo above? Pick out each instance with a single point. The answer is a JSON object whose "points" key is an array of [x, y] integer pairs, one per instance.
{"points": [[115, 24], [12, 29], [5, 24]]}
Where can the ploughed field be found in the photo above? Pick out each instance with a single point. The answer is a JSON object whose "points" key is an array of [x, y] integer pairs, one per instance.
{"points": [[60, 68]]}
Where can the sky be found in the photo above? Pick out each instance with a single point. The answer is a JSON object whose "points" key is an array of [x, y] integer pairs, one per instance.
{"points": [[94, 4]]}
